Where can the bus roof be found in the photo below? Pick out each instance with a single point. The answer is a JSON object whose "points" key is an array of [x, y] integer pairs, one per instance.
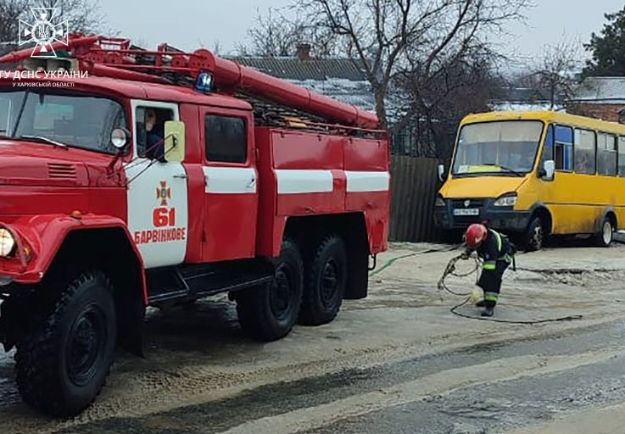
{"points": [[547, 116]]}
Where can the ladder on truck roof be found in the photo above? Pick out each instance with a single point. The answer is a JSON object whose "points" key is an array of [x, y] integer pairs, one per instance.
{"points": [[276, 102]]}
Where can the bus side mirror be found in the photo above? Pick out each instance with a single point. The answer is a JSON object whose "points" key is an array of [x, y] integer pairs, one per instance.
{"points": [[441, 173], [547, 172], [174, 141]]}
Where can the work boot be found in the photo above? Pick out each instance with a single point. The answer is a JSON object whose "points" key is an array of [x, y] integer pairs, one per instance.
{"points": [[481, 303], [488, 311]]}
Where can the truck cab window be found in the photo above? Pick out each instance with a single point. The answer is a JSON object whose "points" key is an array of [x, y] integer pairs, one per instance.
{"points": [[81, 121], [226, 139], [150, 128], [8, 101]]}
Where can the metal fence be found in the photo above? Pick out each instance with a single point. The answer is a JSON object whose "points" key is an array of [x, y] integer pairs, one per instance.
{"points": [[414, 187]]}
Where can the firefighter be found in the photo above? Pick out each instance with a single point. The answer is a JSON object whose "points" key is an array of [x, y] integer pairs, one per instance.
{"points": [[496, 252], [155, 145]]}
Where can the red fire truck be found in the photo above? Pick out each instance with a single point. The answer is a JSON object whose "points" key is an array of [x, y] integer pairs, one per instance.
{"points": [[134, 178]]}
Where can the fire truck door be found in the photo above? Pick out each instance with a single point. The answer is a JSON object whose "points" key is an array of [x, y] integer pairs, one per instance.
{"points": [[231, 193], [157, 191]]}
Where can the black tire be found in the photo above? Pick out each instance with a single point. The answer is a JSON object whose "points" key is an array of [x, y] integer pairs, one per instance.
{"points": [[605, 236], [269, 312], [326, 278], [534, 238], [63, 365]]}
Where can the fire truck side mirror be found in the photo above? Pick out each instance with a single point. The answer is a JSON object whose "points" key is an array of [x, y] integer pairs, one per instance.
{"points": [[174, 141], [120, 137]]}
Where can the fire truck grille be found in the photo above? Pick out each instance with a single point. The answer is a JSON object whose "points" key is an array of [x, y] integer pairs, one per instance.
{"points": [[61, 171]]}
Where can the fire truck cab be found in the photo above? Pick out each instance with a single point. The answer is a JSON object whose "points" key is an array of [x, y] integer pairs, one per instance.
{"points": [[161, 177]]}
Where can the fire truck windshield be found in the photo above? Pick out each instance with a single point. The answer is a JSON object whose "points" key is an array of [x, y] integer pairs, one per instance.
{"points": [[75, 120]]}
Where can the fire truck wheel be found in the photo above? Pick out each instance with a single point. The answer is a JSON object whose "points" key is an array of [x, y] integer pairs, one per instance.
{"points": [[326, 277], [63, 365], [269, 312]]}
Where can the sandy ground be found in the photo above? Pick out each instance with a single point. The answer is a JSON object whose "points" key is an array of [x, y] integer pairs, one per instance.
{"points": [[200, 356]]}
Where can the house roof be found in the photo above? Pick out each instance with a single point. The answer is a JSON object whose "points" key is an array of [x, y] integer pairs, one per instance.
{"points": [[338, 78], [292, 68], [598, 90], [523, 94]]}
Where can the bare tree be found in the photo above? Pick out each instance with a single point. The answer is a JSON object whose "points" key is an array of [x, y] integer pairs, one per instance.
{"points": [[404, 38], [275, 34], [556, 70], [10, 11], [435, 103], [83, 16]]}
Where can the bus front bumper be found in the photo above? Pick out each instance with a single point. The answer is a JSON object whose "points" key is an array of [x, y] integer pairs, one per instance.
{"points": [[501, 218]]}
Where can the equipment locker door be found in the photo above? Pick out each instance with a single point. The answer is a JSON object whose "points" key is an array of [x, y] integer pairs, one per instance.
{"points": [[231, 192]]}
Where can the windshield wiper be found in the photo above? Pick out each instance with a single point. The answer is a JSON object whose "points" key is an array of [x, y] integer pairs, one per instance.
{"points": [[44, 140], [504, 168]]}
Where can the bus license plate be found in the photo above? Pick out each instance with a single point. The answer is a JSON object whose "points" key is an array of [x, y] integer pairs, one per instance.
{"points": [[467, 211]]}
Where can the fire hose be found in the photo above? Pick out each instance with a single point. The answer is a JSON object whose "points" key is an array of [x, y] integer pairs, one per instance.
{"points": [[450, 270]]}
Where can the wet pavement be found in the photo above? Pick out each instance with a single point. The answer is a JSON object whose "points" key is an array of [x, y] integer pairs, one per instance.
{"points": [[483, 408], [396, 362], [495, 408]]}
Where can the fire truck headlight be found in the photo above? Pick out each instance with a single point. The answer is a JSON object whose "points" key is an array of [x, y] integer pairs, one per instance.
{"points": [[7, 242]]}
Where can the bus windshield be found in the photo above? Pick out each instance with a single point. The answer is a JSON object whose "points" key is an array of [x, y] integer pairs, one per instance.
{"points": [[75, 120], [503, 147]]}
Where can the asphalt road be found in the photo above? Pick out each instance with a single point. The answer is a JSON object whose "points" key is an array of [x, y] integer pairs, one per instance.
{"points": [[488, 388], [396, 362]]}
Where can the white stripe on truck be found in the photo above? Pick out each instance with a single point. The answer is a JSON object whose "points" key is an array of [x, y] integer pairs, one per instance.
{"points": [[230, 180], [292, 181], [367, 181]]}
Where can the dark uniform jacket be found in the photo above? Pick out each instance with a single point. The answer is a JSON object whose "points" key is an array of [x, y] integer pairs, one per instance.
{"points": [[495, 248], [496, 252]]}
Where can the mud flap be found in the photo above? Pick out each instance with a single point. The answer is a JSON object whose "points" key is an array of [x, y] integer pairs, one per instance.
{"points": [[18, 316], [8, 329], [130, 324], [357, 274]]}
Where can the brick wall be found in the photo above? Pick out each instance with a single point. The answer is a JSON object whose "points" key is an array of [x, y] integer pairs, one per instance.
{"points": [[607, 112]]}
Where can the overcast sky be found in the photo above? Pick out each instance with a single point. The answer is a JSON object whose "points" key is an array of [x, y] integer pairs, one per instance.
{"points": [[188, 24]]}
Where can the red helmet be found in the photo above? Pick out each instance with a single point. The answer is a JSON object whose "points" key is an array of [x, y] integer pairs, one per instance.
{"points": [[475, 234]]}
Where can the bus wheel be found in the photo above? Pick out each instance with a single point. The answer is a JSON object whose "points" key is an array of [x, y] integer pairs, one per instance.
{"points": [[604, 238], [535, 235]]}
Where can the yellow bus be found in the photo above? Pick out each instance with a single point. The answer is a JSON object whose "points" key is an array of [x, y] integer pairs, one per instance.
{"points": [[536, 174]]}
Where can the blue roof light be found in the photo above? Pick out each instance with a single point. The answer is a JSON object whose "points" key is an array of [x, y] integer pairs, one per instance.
{"points": [[204, 82]]}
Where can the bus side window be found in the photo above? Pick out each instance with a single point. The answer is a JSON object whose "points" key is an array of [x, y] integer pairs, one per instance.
{"points": [[621, 156], [564, 148], [606, 154], [585, 152]]}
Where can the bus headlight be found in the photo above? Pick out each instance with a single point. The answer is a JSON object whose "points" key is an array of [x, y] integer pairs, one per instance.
{"points": [[7, 242], [440, 202], [507, 200]]}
